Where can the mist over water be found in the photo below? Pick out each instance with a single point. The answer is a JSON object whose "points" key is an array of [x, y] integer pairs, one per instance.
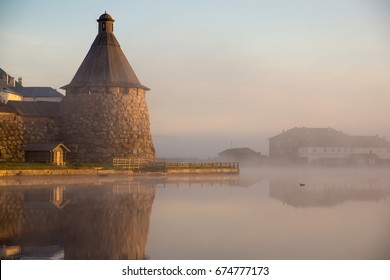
{"points": [[206, 146], [262, 213], [267, 214]]}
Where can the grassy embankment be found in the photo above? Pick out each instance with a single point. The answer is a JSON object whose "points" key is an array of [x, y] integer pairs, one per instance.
{"points": [[38, 166]]}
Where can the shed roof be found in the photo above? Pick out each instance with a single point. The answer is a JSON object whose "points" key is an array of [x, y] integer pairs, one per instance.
{"points": [[44, 147], [6, 109], [105, 64], [35, 109], [38, 92]]}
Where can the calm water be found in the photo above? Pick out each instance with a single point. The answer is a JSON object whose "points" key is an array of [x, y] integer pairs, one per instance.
{"points": [[259, 214]]}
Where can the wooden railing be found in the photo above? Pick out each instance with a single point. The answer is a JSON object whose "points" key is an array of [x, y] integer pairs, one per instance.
{"points": [[133, 163], [197, 165]]}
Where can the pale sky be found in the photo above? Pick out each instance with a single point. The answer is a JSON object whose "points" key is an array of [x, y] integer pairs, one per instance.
{"points": [[222, 73]]}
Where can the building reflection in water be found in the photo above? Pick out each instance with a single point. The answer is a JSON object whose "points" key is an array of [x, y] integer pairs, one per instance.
{"points": [[196, 217], [87, 219], [326, 191], [107, 221]]}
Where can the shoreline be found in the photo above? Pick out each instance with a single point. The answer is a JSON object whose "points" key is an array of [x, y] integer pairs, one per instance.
{"points": [[137, 179], [62, 172], [106, 172]]}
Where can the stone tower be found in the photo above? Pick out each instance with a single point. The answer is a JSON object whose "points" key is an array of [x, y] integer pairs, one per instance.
{"points": [[105, 114]]}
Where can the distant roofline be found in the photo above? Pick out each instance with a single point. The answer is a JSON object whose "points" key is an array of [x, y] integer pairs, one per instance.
{"points": [[3, 72], [10, 90], [334, 138], [38, 92], [307, 128]]}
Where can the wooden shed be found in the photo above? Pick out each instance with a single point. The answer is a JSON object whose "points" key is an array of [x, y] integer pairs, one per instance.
{"points": [[50, 152]]}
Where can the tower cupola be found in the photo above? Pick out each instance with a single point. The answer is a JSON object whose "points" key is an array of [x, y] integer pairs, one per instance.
{"points": [[106, 23]]}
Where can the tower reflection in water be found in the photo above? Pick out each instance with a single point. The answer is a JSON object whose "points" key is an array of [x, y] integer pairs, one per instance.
{"points": [[105, 221]]}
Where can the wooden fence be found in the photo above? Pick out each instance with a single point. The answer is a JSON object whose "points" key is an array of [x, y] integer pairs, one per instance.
{"points": [[137, 164], [131, 163], [200, 165]]}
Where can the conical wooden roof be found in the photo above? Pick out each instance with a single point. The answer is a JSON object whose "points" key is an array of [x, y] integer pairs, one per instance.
{"points": [[105, 63]]}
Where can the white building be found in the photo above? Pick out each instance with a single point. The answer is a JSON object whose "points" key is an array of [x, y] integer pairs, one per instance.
{"points": [[346, 154], [329, 146], [12, 90]]}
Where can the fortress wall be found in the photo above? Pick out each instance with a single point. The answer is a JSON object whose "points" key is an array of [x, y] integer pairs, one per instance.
{"points": [[11, 138], [102, 123], [17, 131], [41, 129]]}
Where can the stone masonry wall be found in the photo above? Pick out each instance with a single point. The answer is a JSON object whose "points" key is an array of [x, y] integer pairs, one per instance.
{"points": [[102, 123], [11, 138], [17, 131], [41, 129]]}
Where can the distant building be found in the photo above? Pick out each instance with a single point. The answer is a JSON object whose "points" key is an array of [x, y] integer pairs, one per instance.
{"points": [[241, 155], [39, 94], [12, 90], [328, 146]]}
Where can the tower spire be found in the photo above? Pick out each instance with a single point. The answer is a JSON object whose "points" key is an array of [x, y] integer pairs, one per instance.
{"points": [[105, 63]]}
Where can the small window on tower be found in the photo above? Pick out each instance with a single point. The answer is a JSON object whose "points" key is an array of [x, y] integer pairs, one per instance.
{"points": [[104, 26]]}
